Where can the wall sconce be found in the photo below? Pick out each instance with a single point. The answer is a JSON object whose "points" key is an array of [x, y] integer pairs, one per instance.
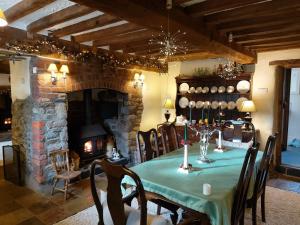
{"points": [[139, 80], [64, 69], [3, 21], [53, 70]]}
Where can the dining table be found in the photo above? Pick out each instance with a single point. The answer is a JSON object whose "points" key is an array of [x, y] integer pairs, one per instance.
{"points": [[162, 177]]}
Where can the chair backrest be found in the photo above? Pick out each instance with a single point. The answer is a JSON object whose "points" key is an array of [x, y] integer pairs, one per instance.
{"points": [[263, 171], [115, 174], [240, 196], [169, 137], [147, 144], [60, 161], [238, 131]]}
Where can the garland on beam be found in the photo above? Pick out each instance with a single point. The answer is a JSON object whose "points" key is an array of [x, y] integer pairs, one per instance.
{"points": [[47, 47]]}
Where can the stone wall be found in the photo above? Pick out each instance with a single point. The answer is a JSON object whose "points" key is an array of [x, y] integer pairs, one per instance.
{"points": [[45, 113]]}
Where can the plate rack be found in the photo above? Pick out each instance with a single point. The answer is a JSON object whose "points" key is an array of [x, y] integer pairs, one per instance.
{"points": [[210, 81]]}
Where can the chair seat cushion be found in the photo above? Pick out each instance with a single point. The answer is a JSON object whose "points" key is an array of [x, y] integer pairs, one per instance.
{"points": [[132, 215], [68, 175], [244, 145]]}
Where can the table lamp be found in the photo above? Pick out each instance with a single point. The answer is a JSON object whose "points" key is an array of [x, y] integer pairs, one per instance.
{"points": [[248, 107], [168, 105]]}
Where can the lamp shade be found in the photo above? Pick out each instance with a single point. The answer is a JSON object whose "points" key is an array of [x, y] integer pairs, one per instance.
{"points": [[52, 68], [64, 69], [3, 21], [169, 104], [248, 106], [136, 76]]}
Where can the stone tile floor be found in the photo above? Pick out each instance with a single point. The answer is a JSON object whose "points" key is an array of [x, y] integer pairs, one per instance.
{"points": [[22, 206]]}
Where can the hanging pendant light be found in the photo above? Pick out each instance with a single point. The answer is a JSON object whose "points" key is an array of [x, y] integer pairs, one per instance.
{"points": [[3, 21]]}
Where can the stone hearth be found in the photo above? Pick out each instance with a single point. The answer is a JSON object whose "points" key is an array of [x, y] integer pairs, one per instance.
{"points": [[39, 122]]}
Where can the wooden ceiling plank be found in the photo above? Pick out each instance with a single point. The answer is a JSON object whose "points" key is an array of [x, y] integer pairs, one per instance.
{"points": [[274, 42], [61, 16], [212, 6], [151, 16], [24, 8], [268, 8], [89, 24], [267, 37], [140, 35], [106, 33], [256, 22]]}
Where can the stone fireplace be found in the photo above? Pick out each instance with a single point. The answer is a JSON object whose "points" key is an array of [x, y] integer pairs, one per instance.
{"points": [[41, 120]]}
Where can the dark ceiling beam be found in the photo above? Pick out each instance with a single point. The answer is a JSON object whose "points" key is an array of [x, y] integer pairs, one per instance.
{"points": [[269, 8], [106, 33], [119, 39], [152, 15], [256, 22], [24, 8], [89, 24], [277, 41], [212, 6], [61, 16], [288, 63], [268, 37], [277, 48]]}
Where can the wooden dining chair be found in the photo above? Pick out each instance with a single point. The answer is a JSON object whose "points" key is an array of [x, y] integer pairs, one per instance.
{"points": [[112, 208], [261, 179], [169, 137], [240, 196], [60, 164], [238, 133], [147, 145]]}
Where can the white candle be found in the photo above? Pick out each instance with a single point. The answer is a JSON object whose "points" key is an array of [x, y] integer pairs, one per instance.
{"points": [[206, 189], [220, 139], [185, 157]]}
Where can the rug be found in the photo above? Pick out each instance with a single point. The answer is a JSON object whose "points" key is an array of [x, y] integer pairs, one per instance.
{"points": [[282, 208]]}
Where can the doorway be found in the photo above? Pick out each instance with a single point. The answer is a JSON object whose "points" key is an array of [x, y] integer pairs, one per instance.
{"points": [[290, 148]]}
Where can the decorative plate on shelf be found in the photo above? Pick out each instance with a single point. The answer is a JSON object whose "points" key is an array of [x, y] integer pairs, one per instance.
{"points": [[214, 104], [184, 88], [221, 89], [243, 86], [192, 104], [230, 89], [199, 104], [223, 105], [183, 102], [192, 90], [205, 90], [239, 102], [206, 104], [198, 90], [231, 105], [213, 89]]}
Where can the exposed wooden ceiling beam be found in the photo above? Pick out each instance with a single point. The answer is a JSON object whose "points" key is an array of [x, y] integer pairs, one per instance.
{"points": [[267, 37], [106, 33], [289, 63], [277, 48], [268, 8], [152, 14], [212, 6], [285, 27], [92, 23], [256, 22], [118, 39], [278, 41], [24, 8], [59, 17]]}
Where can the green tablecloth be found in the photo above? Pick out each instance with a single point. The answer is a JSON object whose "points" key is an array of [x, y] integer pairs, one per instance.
{"points": [[161, 176]]}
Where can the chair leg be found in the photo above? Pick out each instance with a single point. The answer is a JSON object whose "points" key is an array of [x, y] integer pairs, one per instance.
{"points": [[66, 188], [55, 180], [158, 211], [242, 219], [263, 210], [174, 217], [254, 203]]}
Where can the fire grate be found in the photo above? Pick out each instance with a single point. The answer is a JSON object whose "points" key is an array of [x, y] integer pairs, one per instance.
{"points": [[12, 164]]}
